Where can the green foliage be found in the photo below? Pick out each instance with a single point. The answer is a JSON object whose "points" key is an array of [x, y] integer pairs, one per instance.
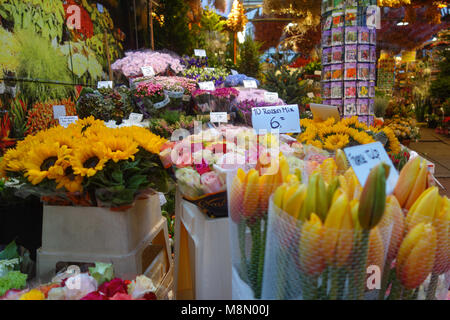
{"points": [[18, 115], [249, 57], [169, 121], [102, 272], [286, 83], [440, 87], [174, 34], [13, 280], [38, 59], [380, 105], [313, 66]]}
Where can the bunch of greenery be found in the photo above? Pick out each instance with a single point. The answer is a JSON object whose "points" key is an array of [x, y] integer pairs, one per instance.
{"points": [[313, 66], [286, 83], [249, 57], [440, 86], [169, 121]]}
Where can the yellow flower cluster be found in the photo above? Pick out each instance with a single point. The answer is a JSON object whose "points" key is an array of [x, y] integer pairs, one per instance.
{"points": [[67, 155], [403, 128], [332, 136]]}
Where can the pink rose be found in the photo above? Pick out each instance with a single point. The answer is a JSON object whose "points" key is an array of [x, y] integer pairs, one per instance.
{"points": [[211, 182], [113, 287], [96, 295]]}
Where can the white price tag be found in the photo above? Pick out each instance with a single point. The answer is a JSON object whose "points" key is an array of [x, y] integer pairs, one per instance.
{"points": [[104, 84], [200, 53], [373, 17], [364, 157], [218, 117], [135, 117], [59, 111], [318, 73], [210, 69], [234, 72], [207, 85], [66, 120], [186, 98], [2, 87], [310, 95], [270, 97], [148, 71], [111, 124], [250, 84], [100, 7], [162, 199], [285, 119]]}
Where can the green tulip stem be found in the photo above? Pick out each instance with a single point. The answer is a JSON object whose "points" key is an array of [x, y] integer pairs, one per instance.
{"points": [[255, 230], [323, 290], [241, 236], [396, 290], [385, 280], [362, 251], [262, 251], [431, 292], [281, 273], [336, 284]]}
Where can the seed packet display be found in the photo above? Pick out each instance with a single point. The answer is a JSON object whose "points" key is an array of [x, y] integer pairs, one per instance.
{"points": [[349, 107], [371, 107], [372, 70], [370, 120], [336, 72], [362, 106], [326, 41], [363, 71], [328, 22], [372, 89], [363, 35], [326, 90], [351, 35], [337, 54], [326, 56], [373, 36], [351, 15], [363, 89], [336, 90], [327, 73], [364, 53], [350, 71], [338, 4], [373, 54], [337, 37], [363, 119], [351, 53], [338, 18], [350, 89], [338, 103]]}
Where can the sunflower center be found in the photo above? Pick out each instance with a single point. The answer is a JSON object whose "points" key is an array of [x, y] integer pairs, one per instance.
{"points": [[48, 163], [91, 162], [69, 173]]}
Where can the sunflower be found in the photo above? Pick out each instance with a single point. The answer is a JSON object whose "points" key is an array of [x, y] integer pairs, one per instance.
{"points": [[145, 139], [361, 137], [120, 147], [336, 141], [69, 181], [393, 143], [84, 124], [45, 161], [89, 158], [315, 143]]}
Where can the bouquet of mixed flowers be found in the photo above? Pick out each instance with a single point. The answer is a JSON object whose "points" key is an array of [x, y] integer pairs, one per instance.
{"points": [[106, 104], [399, 106], [257, 95], [217, 75], [132, 63], [218, 100], [244, 110], [87, 164], [400, 159], [404, 128], [194, 62], [152, 96]]}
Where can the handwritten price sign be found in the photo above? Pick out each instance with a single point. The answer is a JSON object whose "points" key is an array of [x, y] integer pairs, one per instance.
{"points": [[200, 53], [364, 157], [285, 119]]}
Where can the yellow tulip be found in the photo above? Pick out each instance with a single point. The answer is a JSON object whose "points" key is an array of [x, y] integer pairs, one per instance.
{"points": [[424, 209], [375, 256], [279, 195], [341, 161], [265, 190], [236, 195], [416, 255], [293, 204], [406, 180], [251, 194], [311, 257], [393, 214], [328, 169], [442, 226], [419, 187]]}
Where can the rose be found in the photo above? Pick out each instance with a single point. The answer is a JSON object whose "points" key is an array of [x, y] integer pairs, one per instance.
{"points": [[211, 182], [96, 295], [112, 287]]}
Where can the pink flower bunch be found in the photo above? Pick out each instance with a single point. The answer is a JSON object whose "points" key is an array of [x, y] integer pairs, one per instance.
{"points": [[187, 84], [228, 93], [150, 89], [133, 61], [256, 95]]}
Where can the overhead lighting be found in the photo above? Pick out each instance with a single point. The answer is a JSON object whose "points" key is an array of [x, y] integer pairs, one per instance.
{"points": [[434, 39], [401, 23]]}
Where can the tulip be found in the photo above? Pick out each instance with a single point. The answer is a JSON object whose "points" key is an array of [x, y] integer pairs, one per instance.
{"points": [[236, 195], [293, 204], [350, 184], [424, 209], [341, 161], [265, 190], [328, 169], [406, 180], [251, 194], [338, 236], [442, 226], [279, 195], [419, 186], [311, 257], [373, 197], [375, 255], [416, 255], [316, 198], [394, 211]]}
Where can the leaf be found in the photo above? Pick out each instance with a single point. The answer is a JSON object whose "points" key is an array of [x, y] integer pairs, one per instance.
{"points": [[136, 181], [10, 251], [117, 176]]}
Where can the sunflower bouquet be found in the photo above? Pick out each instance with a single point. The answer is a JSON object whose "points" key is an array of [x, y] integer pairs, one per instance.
{"points": [[332, 135], [87, 164]]}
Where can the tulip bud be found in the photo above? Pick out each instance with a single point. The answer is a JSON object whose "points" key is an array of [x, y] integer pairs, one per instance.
{"points": [[279, 195], [406, 180], [293, 204], [373, 197], [328, 169], [341, 161], [416, 256], [394, 214], [311, 257], [442, 226], [251, 195], [424, 209], [236, 195], [375, 255], [265, 190], [419, 186]]}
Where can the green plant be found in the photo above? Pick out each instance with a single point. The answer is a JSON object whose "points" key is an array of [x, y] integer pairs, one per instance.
{"points": [[313, 66], [440, 86], [380, 105], [18, 115], [286, 83], [249, 57], [40, 61]]}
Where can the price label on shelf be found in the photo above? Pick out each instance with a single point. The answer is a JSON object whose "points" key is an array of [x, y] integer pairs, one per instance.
{"points": [[234, 72], [250, 84], [285, 119], [207, 85], [364, 157], [270, 97], [310, 95], [210, 69], [200, 53], [104, 84], [66, 120], [59, 111], [318, 73], [186, 98], [135, 117], [218, 117], [148, 71]]}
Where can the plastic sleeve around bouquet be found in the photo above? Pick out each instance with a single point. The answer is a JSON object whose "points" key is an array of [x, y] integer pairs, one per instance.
{"points": [[203, 102], [309, 261]]}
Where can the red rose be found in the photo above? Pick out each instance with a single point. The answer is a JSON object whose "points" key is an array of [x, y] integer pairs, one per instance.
{"points": [[121, 296], [95, 296], [112, 287], [150, 296]]}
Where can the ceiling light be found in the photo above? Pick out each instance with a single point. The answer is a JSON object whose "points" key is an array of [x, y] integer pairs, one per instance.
{"points": [[434, 39]]}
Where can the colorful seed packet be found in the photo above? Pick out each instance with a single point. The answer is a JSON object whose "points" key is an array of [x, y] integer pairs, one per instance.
{"points": [[351, 53], [326, 73], [351, 35], [326, 56], [372, 72], [337, 54], [362, 106], [336, 72], [350, 107], [371, 107], [363, 71], [328, 22], [351, 15], [350, 89], [326, 41], [373, 36], [338, 18], [364, 53], [373, 54], [363, 35], [363, 89], [336, 90], [337, 37], [350, 71], [326, 90], [372, 89]]}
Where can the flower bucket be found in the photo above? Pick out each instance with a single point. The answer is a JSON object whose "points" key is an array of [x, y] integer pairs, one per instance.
{"points": [[175, 94], [163, 103]]}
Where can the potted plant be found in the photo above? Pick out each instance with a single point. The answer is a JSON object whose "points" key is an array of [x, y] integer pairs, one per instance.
{"points": [[432, 120]]}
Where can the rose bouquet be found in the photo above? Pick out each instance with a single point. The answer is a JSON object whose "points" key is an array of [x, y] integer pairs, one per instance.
{"points": [[218, 75], [87, 164]]}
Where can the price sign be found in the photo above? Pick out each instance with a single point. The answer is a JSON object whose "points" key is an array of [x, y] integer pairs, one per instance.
{"points": [[162, 199], [186, 97], [148, 71], [318, 73], [210, 69], [234, 72], [270, 97], [135, 117], [207, 85], [66, 120], [100, 8], [218, 117], [250, 84], [200, 53], [104, 84], [59, 111], [310, 95], [364, 157], [286, 119]]}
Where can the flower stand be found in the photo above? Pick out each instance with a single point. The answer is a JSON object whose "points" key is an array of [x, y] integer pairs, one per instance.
{"points": [[134, 241]]}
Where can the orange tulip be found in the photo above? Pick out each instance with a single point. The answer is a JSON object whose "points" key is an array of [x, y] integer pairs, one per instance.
{"points": [[394, 211], [406, 180], [312, 261]]}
